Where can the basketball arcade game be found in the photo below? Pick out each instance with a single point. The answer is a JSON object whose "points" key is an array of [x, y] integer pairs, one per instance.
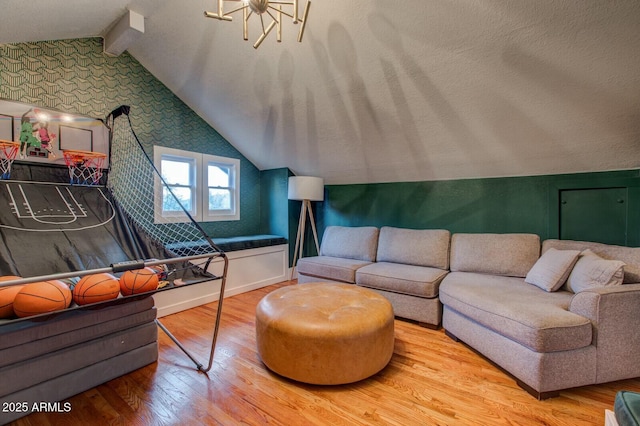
{"points": [[81, 213]]}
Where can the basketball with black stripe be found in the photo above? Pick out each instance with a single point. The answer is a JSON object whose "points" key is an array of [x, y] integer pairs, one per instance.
{"points": [[138, 281], [96, 288], [42, 297]]}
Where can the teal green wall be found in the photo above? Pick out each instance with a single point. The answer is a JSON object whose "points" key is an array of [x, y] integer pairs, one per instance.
{"points": [[279, 215], [500, 205], [75, 76]]}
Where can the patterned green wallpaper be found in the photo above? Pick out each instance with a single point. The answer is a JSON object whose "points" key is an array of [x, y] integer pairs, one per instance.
{"points": [[75, 76]]}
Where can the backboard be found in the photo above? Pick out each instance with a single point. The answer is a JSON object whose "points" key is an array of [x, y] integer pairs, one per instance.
{"points": [[45, 133]]}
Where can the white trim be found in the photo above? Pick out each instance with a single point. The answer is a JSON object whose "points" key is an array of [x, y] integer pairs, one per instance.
{"points": [[248, 270], [233, 165], [160, 152], [200, 199]]}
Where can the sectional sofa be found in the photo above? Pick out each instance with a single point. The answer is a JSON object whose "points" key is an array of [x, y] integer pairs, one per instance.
{"points": [[553, 314]]}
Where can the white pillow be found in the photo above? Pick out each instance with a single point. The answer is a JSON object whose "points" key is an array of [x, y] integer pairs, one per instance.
{"points": [[552, 269], [592, 271]]}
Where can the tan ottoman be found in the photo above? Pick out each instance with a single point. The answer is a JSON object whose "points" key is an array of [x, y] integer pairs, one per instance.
{"points": [[324, 333]]}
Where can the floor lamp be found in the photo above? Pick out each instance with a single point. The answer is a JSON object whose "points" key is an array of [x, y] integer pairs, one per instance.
{"points": [[305, 189]]}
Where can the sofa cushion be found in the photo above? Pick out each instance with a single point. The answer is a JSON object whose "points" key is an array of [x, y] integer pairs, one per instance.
{"points": [[629, 255], [499, 254], [360, 243], [421, 247], [592, 271], [333, 268], [552, 269], [421, 281], [524, 313]]}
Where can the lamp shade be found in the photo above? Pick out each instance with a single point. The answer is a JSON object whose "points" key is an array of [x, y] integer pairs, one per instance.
{"points": [[306, 188]]}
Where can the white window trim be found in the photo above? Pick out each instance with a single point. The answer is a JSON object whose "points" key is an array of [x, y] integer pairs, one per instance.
{"points": [[200, 204], [233, 165]]}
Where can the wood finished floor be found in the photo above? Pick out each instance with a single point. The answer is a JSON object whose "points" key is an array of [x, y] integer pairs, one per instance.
{"points": [[430, 380]]}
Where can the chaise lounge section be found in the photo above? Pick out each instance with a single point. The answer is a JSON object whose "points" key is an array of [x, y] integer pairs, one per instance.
{"points": [[548, 340]]}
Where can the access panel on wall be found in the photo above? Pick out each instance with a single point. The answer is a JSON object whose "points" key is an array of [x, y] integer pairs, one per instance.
{"points": [[598, 215]]}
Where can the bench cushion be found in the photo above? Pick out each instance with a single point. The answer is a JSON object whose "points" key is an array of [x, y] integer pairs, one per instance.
{"points": [[332, 268], [414, 280], [421, 247], [524, 313]]}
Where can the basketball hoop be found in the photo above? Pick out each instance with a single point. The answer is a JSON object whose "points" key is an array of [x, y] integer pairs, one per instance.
{"points": [[85, 167], [8, 152]]}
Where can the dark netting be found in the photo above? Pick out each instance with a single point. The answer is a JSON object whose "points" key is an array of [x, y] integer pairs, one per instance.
{"points": [[133, 180]]}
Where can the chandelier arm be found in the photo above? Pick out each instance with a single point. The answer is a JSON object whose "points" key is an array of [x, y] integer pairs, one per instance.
{"points": [[238, 9], [281, 11], [216, 16], [262, 22], [264, 34], [273, 17], [304, 20], [245, 23], [279, 26]]}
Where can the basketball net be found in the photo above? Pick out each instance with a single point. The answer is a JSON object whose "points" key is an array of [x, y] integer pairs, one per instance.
{"points": [[85, 167], [8, 152]]}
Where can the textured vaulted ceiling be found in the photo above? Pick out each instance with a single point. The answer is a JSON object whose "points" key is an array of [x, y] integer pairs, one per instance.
{"points": [[383, 90]]}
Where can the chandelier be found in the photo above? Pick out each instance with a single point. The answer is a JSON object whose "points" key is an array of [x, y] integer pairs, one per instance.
{"points": [[275, 10]]}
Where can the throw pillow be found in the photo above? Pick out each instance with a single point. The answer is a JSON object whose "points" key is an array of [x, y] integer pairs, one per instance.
{"points": [[552, 269], [592, 271]]}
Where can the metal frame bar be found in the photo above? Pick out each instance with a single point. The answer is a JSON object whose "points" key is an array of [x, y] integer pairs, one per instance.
{"points": [[216, 327]]}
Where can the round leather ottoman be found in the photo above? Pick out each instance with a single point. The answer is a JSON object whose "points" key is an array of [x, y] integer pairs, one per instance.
{"points": [[324, 333]]}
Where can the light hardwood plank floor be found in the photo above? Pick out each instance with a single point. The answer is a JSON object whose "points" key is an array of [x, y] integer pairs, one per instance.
{"points": [[431, 380]]}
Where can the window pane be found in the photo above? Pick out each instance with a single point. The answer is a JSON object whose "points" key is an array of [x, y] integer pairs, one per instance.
{"points": [[170, 204], [176, 172], [219, 199], [218, 176]]}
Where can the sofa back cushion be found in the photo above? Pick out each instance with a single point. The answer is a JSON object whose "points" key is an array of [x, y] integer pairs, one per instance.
{"points": [[510, 255], [420, 247], [629, 255], [359, 243]]}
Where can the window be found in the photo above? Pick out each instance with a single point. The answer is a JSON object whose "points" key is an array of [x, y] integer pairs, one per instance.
{"points": [[179, 175], [207, 186], [222, 188]]}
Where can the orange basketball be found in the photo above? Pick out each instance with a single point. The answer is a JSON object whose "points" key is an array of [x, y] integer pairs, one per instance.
{"points": [[7, 294], [96, 288], [42, 297], [138, 281]]}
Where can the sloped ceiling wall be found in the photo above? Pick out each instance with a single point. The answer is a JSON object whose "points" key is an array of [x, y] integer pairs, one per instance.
{"points": [[384, 91]]}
